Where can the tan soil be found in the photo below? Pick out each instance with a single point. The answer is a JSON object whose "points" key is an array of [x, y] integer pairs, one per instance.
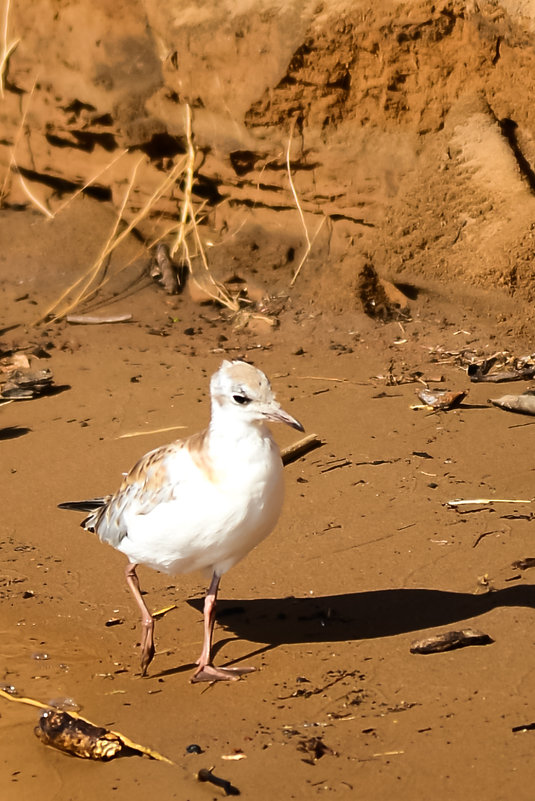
{"points": [[405, 140]]}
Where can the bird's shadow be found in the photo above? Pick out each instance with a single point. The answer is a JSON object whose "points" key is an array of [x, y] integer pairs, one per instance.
{"points": [[349, 617], [357, 615]]}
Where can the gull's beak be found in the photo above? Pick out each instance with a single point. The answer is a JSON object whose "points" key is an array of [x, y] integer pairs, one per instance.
{"points": [[274, 413]]}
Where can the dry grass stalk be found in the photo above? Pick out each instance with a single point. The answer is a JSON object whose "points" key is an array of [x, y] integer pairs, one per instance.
{"points": [[93, 279], [27, 191], [309, 241], [85, 280], [307, 251], [7, 49], [91, 181], [189, 219], [168, 231], [12, 166], [457, 502], [205, 280], [144, 433], [90, 283], [188, 186], [323, 378]]}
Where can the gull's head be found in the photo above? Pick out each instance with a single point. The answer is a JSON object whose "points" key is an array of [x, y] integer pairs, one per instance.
{"points": [[240, 390]]}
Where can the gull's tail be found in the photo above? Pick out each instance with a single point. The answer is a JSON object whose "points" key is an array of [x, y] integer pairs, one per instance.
{"points": [[83, 506]]}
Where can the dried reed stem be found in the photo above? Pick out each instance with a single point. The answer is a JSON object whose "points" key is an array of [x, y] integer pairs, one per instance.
{"points": [[87, 278], [7, 49], [91, 319], [292, 185], [144, 433], [172, 227], [189, 222], [187, 208], [216, 290], [309, 241], [92, 281], [307, 251], [111, 243], [457, 502], [27, 191], [12, 166], [90, 182], [156, 195]]}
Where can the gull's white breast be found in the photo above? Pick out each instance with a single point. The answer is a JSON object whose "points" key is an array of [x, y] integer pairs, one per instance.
{"points": [[209, 518]]}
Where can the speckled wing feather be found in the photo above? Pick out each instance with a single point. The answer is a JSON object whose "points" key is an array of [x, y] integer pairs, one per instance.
{"points": [[146, 486]]}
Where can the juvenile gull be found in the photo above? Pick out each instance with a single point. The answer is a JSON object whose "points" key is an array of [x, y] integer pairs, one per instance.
{"points": [[200, 503]]}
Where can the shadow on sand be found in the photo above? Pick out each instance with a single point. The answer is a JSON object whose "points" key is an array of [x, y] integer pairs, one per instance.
{"points": [[358, 615], [353, 616]]}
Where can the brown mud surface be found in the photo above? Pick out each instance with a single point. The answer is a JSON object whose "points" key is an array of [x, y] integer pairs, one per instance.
{"points": [[414, 148], [366, 559]]}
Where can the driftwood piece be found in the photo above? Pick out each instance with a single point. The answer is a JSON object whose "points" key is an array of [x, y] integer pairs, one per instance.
{"points": [[299, 448], [91, 319]]}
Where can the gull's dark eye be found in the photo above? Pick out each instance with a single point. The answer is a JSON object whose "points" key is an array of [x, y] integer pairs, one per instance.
{"points": [[243, 399]]}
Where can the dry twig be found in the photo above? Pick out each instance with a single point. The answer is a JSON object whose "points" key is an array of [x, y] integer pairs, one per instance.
{"points": [[299, 448], [456, 503]]}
